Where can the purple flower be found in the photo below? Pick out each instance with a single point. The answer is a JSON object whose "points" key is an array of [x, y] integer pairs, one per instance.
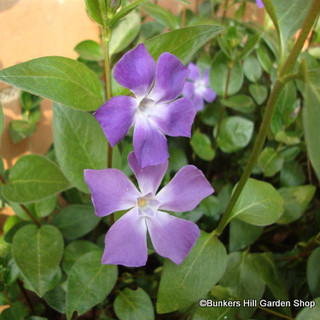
{"points": [[197, 88], [259, 4], [126, 240], [154, 109]]}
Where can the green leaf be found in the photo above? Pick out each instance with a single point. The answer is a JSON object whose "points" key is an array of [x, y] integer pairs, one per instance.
{"points": [[57, 78], [240, 102], [93, 9], [308, 313], [296, 201], [313, 273], [292, 175], [201, 145], [243, 280], [259, 93], [270, 161], [37, 252], [34, 178], [265, 58], [259, 204], [29, 101], [89, 283], [216, 313], [124, 32], [165, 17], [1, 120], [311, 115], [79, 144], [182, 285], [249, 46], [219, 75], [17, 311], [252, 69], [21, 129], [235, 134], [133, 305], [242, 234], [289, 138], [89, 50], [56, 299], [74, 251], [75, 221]]}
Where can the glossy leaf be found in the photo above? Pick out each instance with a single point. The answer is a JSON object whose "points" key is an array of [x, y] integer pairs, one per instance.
{"points": [[37, 252], [182, 285], [89, 283], [57, 78], [76, 220], [201, 145], [235, 134], [270, 161], [133, 305], [89, 50], [259, 204], [296, 201], [34, 178], [219, 76], [79, 144]]}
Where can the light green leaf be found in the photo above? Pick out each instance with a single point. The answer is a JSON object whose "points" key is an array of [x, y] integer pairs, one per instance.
{"points": [[79, 144], [57, 78], [313, 273], [308, 313], [165, 17], [296, 201], [75, 220], [235, 134], [259, 93], [311, 115], [37, 252], [240, 102], [93, 9], [201, 145], [252, 69], [89, 283], [89, 50], [249, 46], [182, 285], [216, 313], [289, 138], [34, 178], [259, 204], [270, 162], [21, 129], [124, 32], [219, 76], [133, 305], [265, 57]]}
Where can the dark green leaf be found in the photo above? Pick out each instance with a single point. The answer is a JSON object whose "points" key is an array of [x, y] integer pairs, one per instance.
{"points": [[181, 285], [292, 175], [296, 201], [56, 299], [252, 69], [201, 145], [235, 134], [313, 273], [93, 9], [133, 305], [89, 50], [60, 79], [216, 313], [259, 93], [270, 161], [240, 102], [21, 129], [17, 311], [37, 253], [265, 58], [259, 204], [34, 178], [249, 46], [219, 76], [75, 221], [89, 283]]}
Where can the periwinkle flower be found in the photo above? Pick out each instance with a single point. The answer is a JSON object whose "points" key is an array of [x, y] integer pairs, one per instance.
{"points": [[259, 4], [197, 88], [154, 108], [126, 240]]}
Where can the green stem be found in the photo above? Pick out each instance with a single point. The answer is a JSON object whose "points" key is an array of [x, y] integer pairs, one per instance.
{"points": [[280, 315], [271, 105]]}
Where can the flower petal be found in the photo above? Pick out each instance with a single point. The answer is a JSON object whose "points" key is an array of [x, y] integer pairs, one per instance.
{"points": [[170, 78], [172, 237], [126, 241], [206, 78], [116, 117], [149, 144], [260, 4], [136, 70], [194, 72], [209, 95], [111, 190], [149, 178], [184, 192], [198, 102], [174, 118], [188, 90]]}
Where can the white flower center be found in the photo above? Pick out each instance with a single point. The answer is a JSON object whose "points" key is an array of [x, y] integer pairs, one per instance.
{"points": [[148, 205], [146, 105], [199, 87]]}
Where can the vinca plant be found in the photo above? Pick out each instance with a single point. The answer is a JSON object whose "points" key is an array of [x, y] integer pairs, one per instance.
{"points": [[182, 182]]}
